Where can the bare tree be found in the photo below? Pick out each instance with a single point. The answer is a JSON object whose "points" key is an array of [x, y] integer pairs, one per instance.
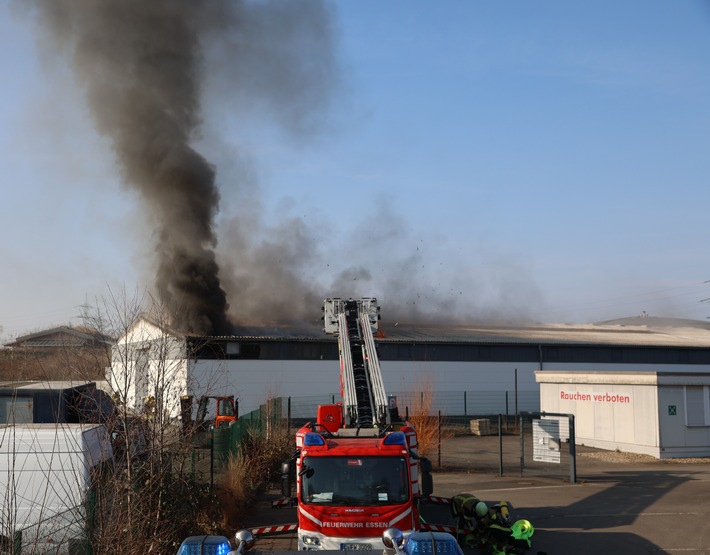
{"points": [[142, 498], [152, 501]]}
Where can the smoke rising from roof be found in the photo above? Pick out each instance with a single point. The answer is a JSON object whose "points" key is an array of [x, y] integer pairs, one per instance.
{"points": [[141, 65], [280, 273]]}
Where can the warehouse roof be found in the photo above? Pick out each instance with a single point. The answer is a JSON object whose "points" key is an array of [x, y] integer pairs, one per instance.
{"points": [[645, 331]]}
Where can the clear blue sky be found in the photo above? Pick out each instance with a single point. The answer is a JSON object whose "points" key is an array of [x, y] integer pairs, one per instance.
{"points": [[549, 159]]}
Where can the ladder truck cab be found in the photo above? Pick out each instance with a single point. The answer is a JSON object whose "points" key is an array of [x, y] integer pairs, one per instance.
{"points": [[357, 469]]}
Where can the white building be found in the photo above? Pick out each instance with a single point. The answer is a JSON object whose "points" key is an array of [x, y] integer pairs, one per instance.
{"points": [[663, 414]]}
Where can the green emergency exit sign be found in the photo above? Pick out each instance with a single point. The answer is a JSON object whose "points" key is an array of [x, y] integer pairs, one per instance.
{"points": [[671, 410]]}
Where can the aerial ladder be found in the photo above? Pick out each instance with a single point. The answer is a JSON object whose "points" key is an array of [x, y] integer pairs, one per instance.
{"points": [[355, 322]]}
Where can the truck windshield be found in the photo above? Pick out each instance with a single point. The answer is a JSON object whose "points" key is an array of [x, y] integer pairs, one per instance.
{"points": [[354, 480]]}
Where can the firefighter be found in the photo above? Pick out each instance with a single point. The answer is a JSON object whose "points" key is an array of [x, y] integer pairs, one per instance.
{"points": [[502, 537], [477, 525], [469, 512], [515, 539]]}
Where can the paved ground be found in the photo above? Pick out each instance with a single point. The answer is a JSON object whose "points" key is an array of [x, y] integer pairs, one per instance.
{"points": [[616, 505]]}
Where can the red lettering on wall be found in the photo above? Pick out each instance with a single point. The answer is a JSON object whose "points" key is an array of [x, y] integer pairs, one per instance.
{"points": [[597, 397]]}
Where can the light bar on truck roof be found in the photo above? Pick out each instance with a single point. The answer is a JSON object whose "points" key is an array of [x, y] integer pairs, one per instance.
{"points": [[430, 543], [204, 545], [312, 440], [395, 438]]}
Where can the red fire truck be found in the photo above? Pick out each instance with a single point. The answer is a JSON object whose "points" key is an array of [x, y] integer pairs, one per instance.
{"points": [[356, 469]]}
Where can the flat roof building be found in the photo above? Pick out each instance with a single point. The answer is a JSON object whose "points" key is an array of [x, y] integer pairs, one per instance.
{"points": [[663, 414]]}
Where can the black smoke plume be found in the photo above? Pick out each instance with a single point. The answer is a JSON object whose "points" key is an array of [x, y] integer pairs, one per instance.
{"points": [[141, 64]]}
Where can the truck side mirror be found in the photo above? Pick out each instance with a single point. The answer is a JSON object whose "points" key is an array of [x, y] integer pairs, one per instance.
{"points": [[427, 485], [286, 479]]}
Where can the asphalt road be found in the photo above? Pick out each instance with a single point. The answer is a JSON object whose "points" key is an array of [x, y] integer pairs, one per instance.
{"points": [[614, 506]]}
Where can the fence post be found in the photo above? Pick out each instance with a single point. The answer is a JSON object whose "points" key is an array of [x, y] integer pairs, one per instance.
{"points": [[465, 407], [522, 446], [288, 416], [438, 440], [572, 451], [516, 393], [211, 459], [500, 445]]}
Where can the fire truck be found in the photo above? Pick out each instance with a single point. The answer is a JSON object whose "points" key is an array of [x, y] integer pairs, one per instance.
{"points": [[356, 468]]}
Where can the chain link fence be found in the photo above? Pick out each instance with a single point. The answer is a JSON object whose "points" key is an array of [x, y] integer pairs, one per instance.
{"points": [[457, 407], [459, 412]]}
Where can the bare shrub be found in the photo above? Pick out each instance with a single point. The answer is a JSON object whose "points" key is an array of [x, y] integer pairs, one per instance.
{"points": [[431, 431], [257, 465], [255, 468]]}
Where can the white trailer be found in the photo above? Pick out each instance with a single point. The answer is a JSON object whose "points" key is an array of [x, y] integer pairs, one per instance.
{"points": [[46, 471]]}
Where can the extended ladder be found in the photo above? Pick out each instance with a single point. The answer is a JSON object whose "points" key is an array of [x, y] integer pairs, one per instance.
{"points": [[362, 388]]}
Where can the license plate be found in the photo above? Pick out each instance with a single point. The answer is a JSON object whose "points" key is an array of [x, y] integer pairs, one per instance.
{"points": [[357, 546]]}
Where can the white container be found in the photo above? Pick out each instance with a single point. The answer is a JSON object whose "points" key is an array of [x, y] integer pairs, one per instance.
{"points": [[46, 469]]}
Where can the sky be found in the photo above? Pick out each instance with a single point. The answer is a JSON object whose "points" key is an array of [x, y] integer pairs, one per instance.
{"points": [[541, 161]]}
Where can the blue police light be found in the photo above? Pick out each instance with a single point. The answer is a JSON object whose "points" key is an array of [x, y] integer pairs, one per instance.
{"points": [[424, 543], [396, 438], [311, 440], [204, 545]]}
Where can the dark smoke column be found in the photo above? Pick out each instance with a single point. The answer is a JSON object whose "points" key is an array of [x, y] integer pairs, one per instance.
{"points": [[139, 63]]}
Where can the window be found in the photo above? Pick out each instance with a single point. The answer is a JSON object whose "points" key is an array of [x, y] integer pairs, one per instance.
{"points": [[697, 405], [354, 480], [16, 410]]}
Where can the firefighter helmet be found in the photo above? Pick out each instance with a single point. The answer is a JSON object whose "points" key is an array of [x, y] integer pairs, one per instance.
{"points": [[522, 529], [481, 509]]}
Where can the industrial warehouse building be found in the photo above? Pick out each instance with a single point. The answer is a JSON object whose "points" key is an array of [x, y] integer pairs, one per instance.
{"points": [[469, 370]]}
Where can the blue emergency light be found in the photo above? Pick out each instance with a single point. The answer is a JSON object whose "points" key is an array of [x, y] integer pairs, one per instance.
{"points": [[204, 545], [396, 438], [311, 440], [432, 543]]}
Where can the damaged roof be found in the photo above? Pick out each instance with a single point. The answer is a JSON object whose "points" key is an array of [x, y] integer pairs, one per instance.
{"points": [[639, 331]]}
